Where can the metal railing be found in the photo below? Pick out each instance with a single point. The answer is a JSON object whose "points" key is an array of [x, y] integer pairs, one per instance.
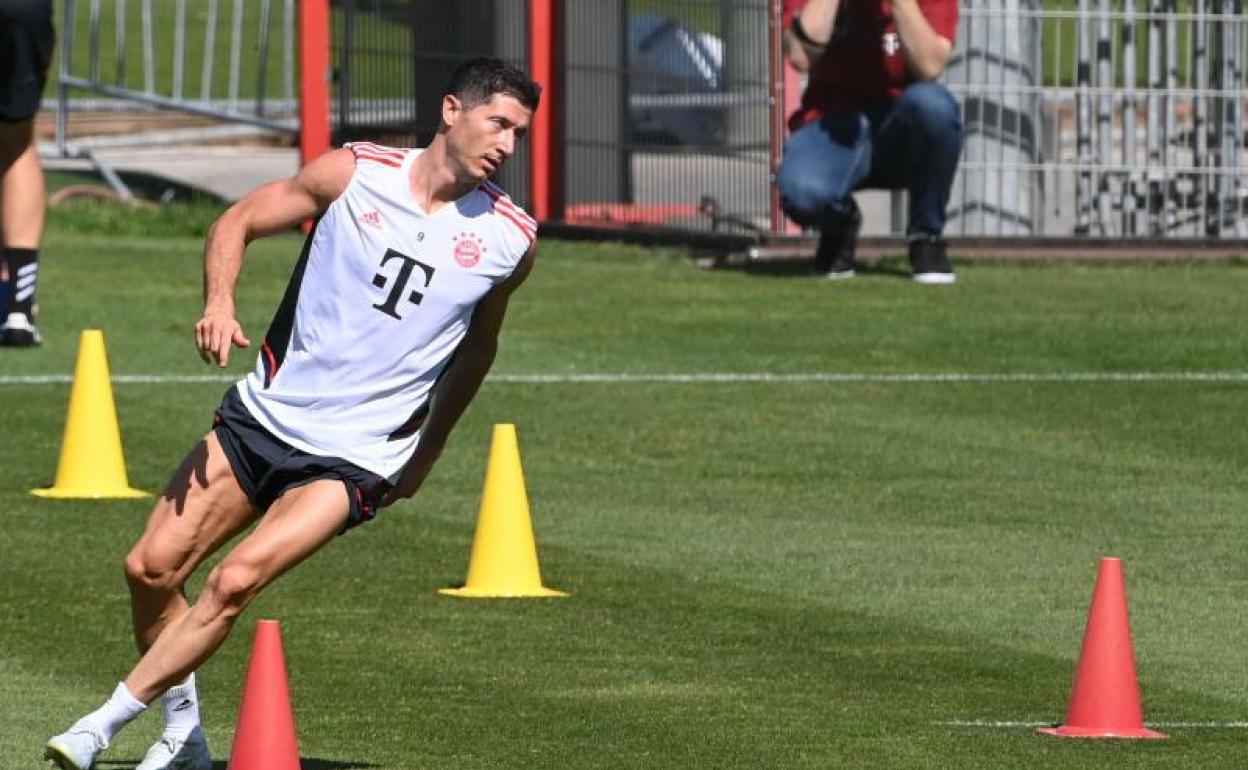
{"points": [[1135, 116], [1101, 118], [393, 57], [229, 60], [1109, 118]]}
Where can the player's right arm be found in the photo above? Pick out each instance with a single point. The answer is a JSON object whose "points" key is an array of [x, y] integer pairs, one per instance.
{"points": [[269, 209]]}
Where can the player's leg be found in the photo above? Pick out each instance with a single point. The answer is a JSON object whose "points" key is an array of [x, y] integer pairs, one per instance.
{"points": [[23, 204], [302, 520], [822, 165], [917, 148], [27, 37], [201, 508]]}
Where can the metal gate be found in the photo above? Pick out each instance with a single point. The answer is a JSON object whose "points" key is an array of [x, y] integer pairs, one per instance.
{"points": [[231, 61], [392, 58], [1101, 118]]}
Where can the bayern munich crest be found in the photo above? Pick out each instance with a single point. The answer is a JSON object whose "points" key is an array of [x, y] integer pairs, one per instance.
{"points": [[468, 249]]}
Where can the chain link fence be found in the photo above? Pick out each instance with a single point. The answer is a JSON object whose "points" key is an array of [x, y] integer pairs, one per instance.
{"points": [[1098, 118]]}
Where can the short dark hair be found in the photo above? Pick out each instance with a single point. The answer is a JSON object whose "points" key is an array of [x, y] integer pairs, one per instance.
{"points": [[477, 80]]}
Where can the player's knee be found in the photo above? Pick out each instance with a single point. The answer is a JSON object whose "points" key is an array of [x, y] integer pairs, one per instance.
{"points": [[934, 108], [231, 586], [803, 198], [144, 574]]}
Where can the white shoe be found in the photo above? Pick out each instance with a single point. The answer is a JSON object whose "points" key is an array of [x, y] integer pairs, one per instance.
{"points": [[19, 332], [76, 748], [189, 753]]}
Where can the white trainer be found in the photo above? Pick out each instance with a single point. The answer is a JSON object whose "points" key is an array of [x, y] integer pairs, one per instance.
{"points": [[19, 332], [190, 753], [76, 748]]}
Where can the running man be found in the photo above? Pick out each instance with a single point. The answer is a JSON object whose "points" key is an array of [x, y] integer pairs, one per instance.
{"points": [[387, 329]]}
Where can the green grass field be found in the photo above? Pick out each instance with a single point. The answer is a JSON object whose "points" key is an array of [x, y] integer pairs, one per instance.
{"points": [[764, 574]]}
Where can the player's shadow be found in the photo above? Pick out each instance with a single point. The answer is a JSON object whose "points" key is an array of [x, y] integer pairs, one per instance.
{"points": [[192, 472], [305, 763], [308, 763]]}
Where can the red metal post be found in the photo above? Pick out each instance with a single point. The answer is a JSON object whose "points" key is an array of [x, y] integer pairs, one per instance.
{"points": [[546, 173], [776, 72], [313, 79]]}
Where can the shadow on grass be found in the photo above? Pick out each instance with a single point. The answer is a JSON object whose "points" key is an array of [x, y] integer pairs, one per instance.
{"points": [[305, 763], [801, 268]]}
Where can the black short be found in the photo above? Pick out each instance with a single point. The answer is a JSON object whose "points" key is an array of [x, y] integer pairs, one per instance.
{"points": [[26, 41], [266, 466]]}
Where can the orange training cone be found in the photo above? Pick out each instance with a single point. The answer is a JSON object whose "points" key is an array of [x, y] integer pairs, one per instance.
{"points": [[504, 555], [91, 463], [264, 738], [1105, 700]]}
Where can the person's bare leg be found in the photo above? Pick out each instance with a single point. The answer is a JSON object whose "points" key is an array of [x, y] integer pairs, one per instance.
{"points": [[202, 507], [296, 526], [23, 196], [23, 203]]}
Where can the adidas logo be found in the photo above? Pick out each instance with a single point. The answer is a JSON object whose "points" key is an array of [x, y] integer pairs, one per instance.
{"points": [[371, 218], [184, 705]]}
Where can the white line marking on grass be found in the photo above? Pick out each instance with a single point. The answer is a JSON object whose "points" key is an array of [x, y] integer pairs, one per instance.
{"points": [[853, 377], [1209, 725], [1010, 724], [989, 723], [719, 377]]}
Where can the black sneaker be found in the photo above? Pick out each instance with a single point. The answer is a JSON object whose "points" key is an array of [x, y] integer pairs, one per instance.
{"points": [[19, 332], [929, 261], [838, 240]]}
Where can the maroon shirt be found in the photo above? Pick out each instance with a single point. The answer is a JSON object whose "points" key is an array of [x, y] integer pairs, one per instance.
{"points": [[863, 65]]}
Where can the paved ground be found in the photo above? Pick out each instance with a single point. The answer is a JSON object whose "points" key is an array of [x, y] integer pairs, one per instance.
{"points": [[227, 172]]}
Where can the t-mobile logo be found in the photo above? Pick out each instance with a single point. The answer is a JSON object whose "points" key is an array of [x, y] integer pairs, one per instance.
{"points": [[400, 282]]}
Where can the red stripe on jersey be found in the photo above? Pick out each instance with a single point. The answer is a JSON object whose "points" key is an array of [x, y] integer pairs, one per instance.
{"points": [[272, 359], [519, 225], [498, 195], [382, 148], [516, 215], [378, 159], [377, 149], [518, 212]]}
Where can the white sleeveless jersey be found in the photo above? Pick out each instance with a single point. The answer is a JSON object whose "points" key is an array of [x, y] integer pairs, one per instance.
{"points": [[379, 302]]}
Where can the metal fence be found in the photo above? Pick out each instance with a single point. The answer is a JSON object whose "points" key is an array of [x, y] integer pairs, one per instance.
{"points": [[392, 58], [229, 60], [1102, 118], [1110, 118], [667, 113]]}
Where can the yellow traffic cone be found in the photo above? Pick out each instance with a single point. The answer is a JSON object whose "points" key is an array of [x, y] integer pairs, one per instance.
{"points": [[504, 556], [91, 462]]}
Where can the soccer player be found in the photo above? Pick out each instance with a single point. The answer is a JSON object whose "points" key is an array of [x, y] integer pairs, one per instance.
{"points": [[387, 328], [26, 41]]}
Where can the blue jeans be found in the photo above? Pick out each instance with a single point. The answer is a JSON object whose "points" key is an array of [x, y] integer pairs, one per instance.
{"points": [[912, 144]]}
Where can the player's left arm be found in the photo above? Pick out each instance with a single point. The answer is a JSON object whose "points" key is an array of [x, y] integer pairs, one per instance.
{"points": [[926, 51], [460, 381]]}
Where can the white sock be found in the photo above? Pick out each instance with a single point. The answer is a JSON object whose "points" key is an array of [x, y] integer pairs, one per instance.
{"points": [[115, 714], [181, 709]]}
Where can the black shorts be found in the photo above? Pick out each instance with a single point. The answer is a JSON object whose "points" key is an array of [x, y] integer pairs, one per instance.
{"points": [[266, 466], [26, 41]]}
